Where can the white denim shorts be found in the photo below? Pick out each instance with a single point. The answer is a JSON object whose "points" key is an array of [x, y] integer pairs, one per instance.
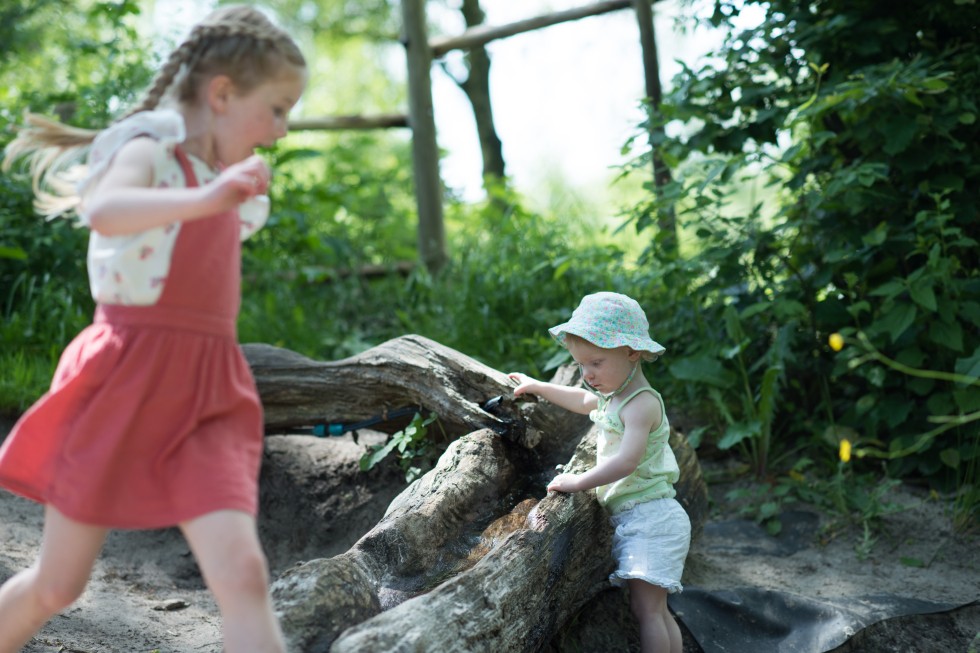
{"points": [[650, 543]]}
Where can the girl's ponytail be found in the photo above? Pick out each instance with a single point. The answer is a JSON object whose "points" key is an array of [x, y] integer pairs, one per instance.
{"points": [[54, 152]]}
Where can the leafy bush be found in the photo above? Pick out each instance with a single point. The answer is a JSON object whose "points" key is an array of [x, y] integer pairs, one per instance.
{"points": [[860, 117], [93, 63], [511, 276], [416, 450]]}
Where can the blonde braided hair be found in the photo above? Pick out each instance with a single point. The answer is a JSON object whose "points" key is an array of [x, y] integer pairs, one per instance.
{"points": [[236, 41]]}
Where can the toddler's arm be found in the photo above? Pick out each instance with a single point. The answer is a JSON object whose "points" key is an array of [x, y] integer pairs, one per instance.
{"points": [[576, 400], [640, 416]]}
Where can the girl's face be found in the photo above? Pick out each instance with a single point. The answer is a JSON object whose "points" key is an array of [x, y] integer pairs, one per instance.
{"points": [[604, 369], [258, 118]]}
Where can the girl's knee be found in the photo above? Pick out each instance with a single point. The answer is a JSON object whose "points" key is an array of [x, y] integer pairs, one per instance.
{"points": [[55, 594], [244, 572]]}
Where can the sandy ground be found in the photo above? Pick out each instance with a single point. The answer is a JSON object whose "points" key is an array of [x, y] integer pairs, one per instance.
{"points": [[146, 594]]}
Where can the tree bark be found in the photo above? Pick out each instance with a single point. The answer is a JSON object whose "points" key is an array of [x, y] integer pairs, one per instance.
{"points": [[661, 173], [406, 371], [475, 555]]}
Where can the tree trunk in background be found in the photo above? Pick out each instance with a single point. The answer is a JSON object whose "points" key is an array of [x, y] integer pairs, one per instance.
{"points": [[651, 67], [425, 151], [477, 89]]}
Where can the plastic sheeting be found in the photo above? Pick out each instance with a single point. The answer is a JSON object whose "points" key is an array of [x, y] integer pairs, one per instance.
{"points": [[775, 619], [753, 620]]}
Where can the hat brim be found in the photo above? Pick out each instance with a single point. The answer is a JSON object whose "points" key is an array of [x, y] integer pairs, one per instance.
{"points": [[649, 349]]}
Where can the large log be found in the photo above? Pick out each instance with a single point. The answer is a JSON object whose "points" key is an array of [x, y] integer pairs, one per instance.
{"points": [[406, 371], [423, 538], [475, 555]]}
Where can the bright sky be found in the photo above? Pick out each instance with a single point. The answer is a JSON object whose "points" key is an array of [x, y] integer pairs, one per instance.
{"points": [[565, 98]]}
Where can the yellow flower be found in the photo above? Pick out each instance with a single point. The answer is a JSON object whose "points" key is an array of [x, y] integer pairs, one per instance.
{"points": [[845, 450], [836, 341]]}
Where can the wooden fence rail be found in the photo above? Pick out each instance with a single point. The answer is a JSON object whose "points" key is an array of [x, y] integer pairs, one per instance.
{"points": [[483, 34], [381, 121]]}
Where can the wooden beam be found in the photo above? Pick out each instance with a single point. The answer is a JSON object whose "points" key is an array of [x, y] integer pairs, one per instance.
{"points": [[382, 121], [485, 33]]}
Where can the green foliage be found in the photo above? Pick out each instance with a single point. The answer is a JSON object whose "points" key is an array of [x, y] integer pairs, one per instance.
{"points": [[416, 450], [762, 503], [25, 376], [725, 369], [44, 299], [960, 454], [862, 118], [850, 499], [513, 275], [79, 63], [822, 166]]}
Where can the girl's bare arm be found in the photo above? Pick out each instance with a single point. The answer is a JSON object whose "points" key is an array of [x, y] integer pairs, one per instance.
{"points": [[124, 201]]}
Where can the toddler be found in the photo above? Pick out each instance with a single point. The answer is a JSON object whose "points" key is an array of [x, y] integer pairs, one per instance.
{"points": [[635, 471]]}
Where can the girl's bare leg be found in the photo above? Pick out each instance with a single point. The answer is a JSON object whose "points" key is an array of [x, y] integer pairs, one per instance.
{"points": [[226, 546], [58, 577], [659, 633]]}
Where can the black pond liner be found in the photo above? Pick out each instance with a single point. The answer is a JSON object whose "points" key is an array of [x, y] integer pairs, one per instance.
{"points": [[752, 620], [757, 620]]}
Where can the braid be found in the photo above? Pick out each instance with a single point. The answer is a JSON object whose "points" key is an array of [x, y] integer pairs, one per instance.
{"points": [[178, 58], [236, 41]]}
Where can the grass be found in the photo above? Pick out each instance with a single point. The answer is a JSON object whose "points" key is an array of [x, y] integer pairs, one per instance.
{"points": [[25, 377]]}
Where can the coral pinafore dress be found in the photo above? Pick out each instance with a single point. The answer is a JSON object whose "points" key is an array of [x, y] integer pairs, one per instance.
{"points": [[152, 418]]}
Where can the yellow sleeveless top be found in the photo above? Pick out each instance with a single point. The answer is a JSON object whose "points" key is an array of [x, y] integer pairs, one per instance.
{"points": [[657, 472]]}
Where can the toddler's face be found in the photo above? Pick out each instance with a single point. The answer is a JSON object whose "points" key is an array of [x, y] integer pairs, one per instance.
{"points": [[603, 369]]}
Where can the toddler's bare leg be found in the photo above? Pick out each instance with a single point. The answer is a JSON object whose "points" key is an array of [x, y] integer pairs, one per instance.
{"points": [[226, 546], [58, 577], [659, 633]]}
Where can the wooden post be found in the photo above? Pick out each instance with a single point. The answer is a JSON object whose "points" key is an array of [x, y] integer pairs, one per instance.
{"points": [[425, 152], [651, 68]]}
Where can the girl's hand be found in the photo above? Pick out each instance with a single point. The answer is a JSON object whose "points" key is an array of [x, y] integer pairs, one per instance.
{"points": [[243, 180], [125, 202], [524, 383], [565, 483]]}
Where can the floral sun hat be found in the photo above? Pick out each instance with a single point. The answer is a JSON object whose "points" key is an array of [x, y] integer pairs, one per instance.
{"points": [[609, 320]]}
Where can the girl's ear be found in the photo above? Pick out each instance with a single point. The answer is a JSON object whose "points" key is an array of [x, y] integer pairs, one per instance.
{"points": [[633, 354], [219, 91]]}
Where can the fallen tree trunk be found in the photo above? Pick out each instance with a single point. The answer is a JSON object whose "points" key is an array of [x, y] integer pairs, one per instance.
{"points": [[408, 371], [475, 555], [423, 539], [528, 583]]}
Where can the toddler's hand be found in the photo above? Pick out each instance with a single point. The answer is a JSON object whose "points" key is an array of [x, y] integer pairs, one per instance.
{"points": [[564, 483], [524, 383]]}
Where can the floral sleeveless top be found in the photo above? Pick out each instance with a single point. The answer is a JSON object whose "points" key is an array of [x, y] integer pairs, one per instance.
{"points": [[132, 269]]}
